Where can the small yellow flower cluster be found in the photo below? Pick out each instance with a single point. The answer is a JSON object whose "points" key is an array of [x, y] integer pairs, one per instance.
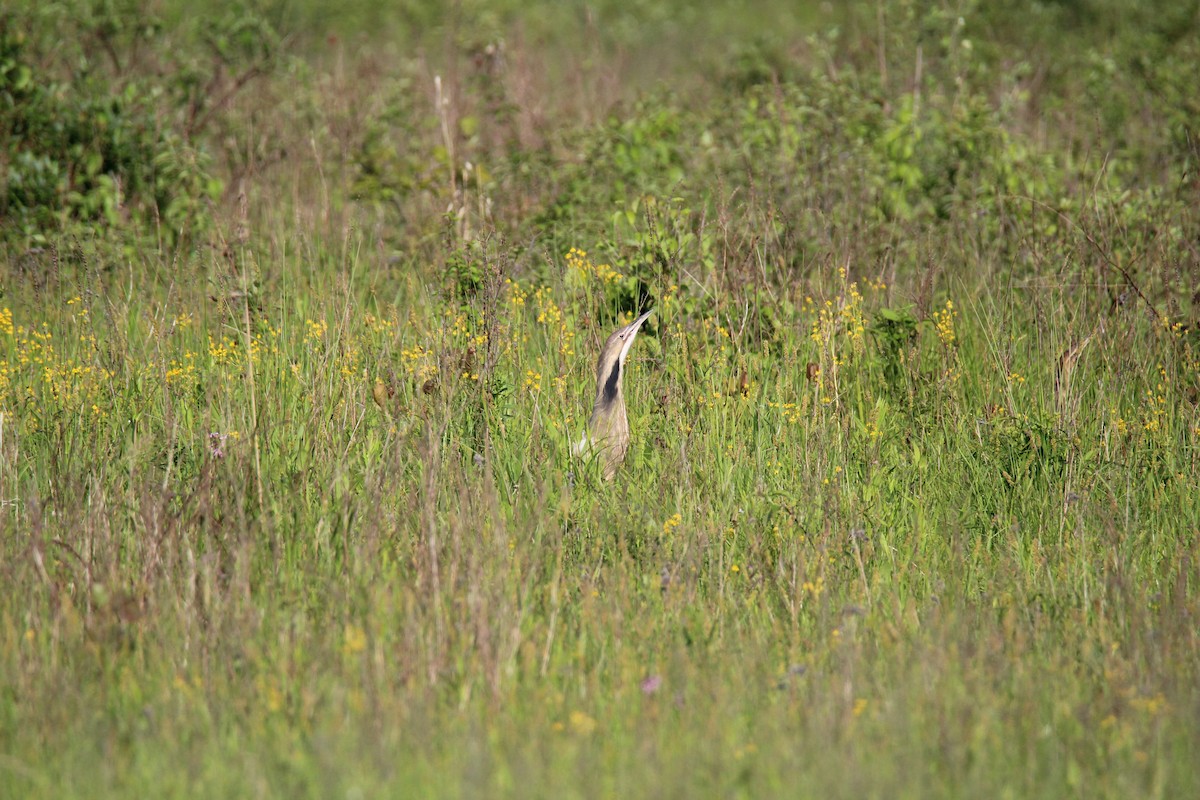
{"points": [[1154, 408], [350, 359], [80, 314], [791, 412], [716, 331], [1016, 377], [224, 351], [34, 369], [316, 330], [822, 326], [71, 383], [845, 316], [723, 333], [418, 362], [516, 295], [35, 346], [814, 588], [258, 343], [460, 329], [548, 311], [670, 295], [943, 321], [458, 326], [550, 315], [376, 324], [607, 274], [853, 320], [179, 371], [672, 523], [578, 260], [533, 381]]}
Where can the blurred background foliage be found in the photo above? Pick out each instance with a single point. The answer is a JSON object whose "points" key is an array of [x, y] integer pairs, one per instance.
{"points": [[149, 117]]}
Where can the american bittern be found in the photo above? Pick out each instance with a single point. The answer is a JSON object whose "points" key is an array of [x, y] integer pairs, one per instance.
{"points": [[608, 429]]}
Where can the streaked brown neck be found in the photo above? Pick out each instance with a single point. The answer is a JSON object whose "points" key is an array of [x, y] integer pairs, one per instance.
{"points": [[608, 428]]}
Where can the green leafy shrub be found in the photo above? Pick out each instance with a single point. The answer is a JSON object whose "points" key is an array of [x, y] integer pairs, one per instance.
{"points": [[83, 151], [640, 153], [103, 116]]}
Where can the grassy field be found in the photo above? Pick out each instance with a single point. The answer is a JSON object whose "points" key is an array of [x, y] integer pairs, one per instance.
{"points": [[296, 336]]}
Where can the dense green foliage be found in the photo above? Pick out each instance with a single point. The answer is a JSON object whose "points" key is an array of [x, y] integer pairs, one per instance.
{"points": [[300, 314]]}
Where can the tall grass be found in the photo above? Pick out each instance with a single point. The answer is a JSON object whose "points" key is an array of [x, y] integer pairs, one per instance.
{"points": [[910, 508]]}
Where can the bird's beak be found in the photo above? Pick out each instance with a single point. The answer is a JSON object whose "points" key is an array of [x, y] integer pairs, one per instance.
{"points": [[630, 332], [632, 327]]}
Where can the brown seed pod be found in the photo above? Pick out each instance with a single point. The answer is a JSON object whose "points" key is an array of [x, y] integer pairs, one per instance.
{"points": [[381, 394], [467, 360]]}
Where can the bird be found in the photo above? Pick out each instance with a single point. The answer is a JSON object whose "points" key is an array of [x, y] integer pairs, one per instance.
{"points": [[608, 429]]}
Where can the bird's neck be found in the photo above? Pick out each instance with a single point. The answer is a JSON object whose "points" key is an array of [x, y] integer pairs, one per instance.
{"points": [[608, 386], [608, 414]]}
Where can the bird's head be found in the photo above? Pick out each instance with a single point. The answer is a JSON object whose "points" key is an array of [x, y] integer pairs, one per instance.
{"points": [[612, 359]]}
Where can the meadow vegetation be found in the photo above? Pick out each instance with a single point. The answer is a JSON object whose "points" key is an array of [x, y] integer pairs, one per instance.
{"points": [[299, 317]]}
